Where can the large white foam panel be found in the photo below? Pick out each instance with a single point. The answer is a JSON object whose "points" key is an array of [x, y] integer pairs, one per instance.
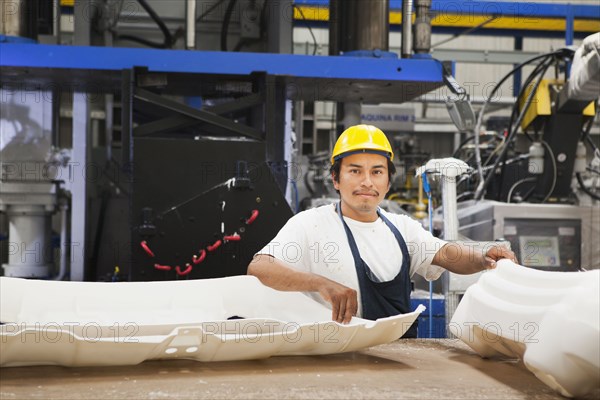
{"points": [[90, 323], [549, 319]]}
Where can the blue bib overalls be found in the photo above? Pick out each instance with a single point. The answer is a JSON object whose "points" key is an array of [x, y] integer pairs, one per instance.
{"points": [[382, 299]]}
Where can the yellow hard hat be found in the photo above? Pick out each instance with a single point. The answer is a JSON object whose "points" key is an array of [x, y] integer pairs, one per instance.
{"points": [[362, 138]]}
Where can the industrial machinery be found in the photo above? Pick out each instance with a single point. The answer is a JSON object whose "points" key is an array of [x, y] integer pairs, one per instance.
{"points": [[546, 237], [535, 160], [169, 164], [31, 194], [556, 117]]}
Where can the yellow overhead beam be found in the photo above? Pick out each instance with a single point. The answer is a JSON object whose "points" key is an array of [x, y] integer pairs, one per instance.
{"points": [[312, 13]]}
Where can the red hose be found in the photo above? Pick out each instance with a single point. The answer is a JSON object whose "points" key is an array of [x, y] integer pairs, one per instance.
{"points": [[146, 248], [186, 271], [232, 238], [215, 245], [162, 267], [252, 218], [198, 260]]}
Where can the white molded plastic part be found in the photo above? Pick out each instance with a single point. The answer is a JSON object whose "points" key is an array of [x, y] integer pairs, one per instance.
{"points": [[549, 319], [449, 167], [93, 324]]}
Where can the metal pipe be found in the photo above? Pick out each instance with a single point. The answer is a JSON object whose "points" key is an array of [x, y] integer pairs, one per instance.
{"points": [[359, 25], [190, 24], [422, 34], [372, 25], [56, 23], [352, 114], [449, 206], [79, 187], [334, 30], [64, 246], [407, 11]]}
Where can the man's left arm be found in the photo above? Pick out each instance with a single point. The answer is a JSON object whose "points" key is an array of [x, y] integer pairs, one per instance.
{"points": [[464, 260]]}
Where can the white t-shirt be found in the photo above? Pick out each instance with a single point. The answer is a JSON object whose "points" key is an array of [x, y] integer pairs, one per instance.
{"points": [[315, 241]]}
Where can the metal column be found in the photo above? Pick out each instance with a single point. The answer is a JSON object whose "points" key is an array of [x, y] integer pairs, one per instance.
{"points": [[81, 123], [279, 28], [19, 18], [359, 25]]}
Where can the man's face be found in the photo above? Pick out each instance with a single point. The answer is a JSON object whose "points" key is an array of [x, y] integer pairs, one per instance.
{"points": [[363, 184]]}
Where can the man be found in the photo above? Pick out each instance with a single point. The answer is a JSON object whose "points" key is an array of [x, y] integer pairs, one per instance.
{"points": [[352, 256]]}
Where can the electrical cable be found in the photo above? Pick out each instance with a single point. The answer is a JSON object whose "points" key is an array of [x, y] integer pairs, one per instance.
{"points": [[491, 96], [242, 43], [526, 84], [529, 193], [104, 200], [586, 189], [463, 195], [592, 170], [483, 184], [585, 134], [225, 25], [517, 183], [168, 38], [309, 28], [518, 158], [498, 148], [461, 145], [466, 32], [139, 40], [540, 70]]}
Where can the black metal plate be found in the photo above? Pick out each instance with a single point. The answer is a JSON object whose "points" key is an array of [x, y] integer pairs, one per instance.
{"points": [[182, 182]]}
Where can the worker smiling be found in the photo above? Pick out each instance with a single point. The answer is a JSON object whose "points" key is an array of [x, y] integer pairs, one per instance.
{"points": [[353, 256]]}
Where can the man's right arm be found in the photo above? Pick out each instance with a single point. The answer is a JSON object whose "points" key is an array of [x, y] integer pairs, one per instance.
{"points": [[275, 274]]}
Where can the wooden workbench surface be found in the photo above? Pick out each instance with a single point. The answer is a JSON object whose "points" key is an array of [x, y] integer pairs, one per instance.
{"points": [[433, 368]]}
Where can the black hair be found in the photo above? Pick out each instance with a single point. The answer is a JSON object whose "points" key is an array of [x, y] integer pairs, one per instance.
{"points": [[337, 166]]}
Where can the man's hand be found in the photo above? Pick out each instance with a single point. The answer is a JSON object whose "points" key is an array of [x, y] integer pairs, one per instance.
{"points": [[464, 260], [344, 301], [277, 275], [496, 253]]}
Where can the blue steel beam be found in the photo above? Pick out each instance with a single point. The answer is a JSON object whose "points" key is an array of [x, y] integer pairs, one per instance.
{"points": [[340, 78], [213, 62]]}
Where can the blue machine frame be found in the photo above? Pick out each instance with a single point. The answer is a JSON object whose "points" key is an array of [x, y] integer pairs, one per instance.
{"points": [[332, 78], [214, 62]]}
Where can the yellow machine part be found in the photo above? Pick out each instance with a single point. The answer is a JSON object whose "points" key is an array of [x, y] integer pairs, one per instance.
{"points": [[590, 110], [541, 103]]}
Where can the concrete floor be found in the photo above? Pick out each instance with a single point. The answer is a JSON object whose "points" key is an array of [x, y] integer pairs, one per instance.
{"points": [[432, 369]]}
